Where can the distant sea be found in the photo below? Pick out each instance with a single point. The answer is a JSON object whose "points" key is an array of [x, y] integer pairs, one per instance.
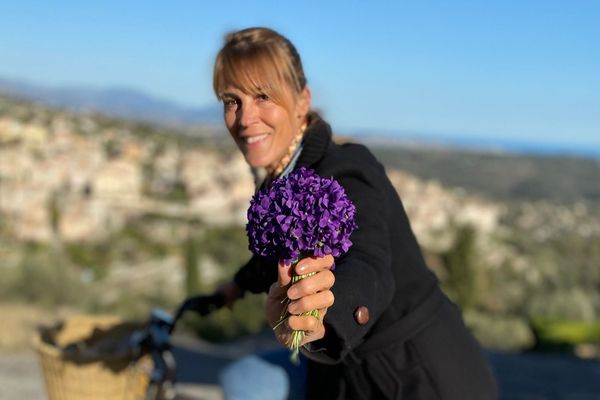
{"points": [[524, 147], [486, 144]]}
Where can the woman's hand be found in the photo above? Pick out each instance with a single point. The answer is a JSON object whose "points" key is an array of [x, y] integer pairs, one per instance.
{"points": [[230, 291], [310, 293]]}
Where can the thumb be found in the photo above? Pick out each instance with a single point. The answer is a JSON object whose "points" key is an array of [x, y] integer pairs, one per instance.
{"points": [[284, 273]]}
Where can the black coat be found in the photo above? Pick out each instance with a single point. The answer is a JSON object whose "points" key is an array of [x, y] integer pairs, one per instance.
{"points": [[413, 345]]}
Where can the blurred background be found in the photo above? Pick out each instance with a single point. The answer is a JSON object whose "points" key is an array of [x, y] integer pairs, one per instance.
{"points": [[120, 189]]}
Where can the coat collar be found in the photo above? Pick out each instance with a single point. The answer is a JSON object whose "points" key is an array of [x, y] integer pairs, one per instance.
{"points": [[317, 139]]}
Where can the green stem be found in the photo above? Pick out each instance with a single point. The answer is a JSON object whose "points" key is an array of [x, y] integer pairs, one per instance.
{"points": [[297, 336]]}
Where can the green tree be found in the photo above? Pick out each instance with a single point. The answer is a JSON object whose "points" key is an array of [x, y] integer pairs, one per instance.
{"points": [[54, 212], [460, 263], [192, 280]]}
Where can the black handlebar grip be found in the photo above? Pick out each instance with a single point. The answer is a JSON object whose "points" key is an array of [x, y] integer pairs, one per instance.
{"points": [[202, 305]]}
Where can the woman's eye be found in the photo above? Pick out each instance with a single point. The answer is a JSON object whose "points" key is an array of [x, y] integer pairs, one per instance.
{"points": [[230, 103], [263, 97]]}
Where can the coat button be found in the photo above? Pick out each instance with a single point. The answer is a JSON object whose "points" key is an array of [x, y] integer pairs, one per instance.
{"points": [[361, 315]]}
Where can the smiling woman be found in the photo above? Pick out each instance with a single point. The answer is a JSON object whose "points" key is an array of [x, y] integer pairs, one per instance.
{"points": [[384, 329], [265, 97]]}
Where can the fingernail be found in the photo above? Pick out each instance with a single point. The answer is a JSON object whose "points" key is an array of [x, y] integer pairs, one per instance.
{"points": [[292, 307], [292, 293], [300, 269]]}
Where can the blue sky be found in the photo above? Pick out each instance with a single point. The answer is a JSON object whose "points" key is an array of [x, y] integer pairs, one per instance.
{"points": [[507, 70]]}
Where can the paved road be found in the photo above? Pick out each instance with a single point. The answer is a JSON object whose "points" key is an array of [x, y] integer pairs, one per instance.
{"points": [[522, 376], [546, 376], [20, 377], [199, 366]]}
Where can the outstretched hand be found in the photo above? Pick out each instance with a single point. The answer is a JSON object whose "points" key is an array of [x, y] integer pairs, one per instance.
{"points": [[230, 292], [310, 293]]}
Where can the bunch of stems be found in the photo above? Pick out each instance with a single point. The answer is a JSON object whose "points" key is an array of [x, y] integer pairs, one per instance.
{"points": [[297, 336]]}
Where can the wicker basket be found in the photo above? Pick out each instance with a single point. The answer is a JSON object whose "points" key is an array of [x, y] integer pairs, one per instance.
{"points": [[109, 376]]}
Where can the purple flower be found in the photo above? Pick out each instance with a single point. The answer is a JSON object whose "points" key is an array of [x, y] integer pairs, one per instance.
{"points": [[300, 214]]}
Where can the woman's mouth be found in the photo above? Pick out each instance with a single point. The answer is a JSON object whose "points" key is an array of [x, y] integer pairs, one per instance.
{"points": [[254, 139]]}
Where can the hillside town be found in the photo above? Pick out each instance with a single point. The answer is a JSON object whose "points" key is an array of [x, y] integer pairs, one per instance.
{"points": [[93, 179], [96, 180], [82, 183]]}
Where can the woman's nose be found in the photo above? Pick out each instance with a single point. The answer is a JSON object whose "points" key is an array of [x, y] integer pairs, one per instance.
{"points": [[247, 113]]}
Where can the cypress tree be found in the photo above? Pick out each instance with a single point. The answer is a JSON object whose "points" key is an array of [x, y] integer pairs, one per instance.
{"points": [[460, 263], [192, 279]]}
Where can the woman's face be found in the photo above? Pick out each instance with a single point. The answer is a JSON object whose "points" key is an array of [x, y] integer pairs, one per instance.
{"points": [[261, 128]]}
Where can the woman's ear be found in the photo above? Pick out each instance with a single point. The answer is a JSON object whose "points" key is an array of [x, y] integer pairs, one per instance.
{"points": [[303, 103]]}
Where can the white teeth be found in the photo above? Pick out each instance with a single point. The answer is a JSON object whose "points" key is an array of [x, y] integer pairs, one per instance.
{"points": [[254, 139]]}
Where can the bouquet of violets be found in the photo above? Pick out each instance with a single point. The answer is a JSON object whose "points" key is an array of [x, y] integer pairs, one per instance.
{"points": [[300, 215]]}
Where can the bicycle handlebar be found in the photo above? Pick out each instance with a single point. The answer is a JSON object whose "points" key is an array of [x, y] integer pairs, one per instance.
{"points": [[203, 305], [155, 339]]}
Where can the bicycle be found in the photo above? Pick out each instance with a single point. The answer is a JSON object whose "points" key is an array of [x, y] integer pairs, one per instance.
{"points": [[154, 339]]}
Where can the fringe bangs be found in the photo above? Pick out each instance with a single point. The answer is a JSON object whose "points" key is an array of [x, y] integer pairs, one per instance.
{"points": [[255, 71]]}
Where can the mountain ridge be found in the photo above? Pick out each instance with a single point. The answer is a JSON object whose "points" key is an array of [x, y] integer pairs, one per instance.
{"points": [[134, 104], [115, 101]]}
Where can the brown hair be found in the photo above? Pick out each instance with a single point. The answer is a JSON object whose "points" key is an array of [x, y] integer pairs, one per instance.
{"points": [[259, 61]]}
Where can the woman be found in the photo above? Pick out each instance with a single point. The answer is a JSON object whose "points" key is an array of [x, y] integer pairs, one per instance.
{"points": [[388, 331]]}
